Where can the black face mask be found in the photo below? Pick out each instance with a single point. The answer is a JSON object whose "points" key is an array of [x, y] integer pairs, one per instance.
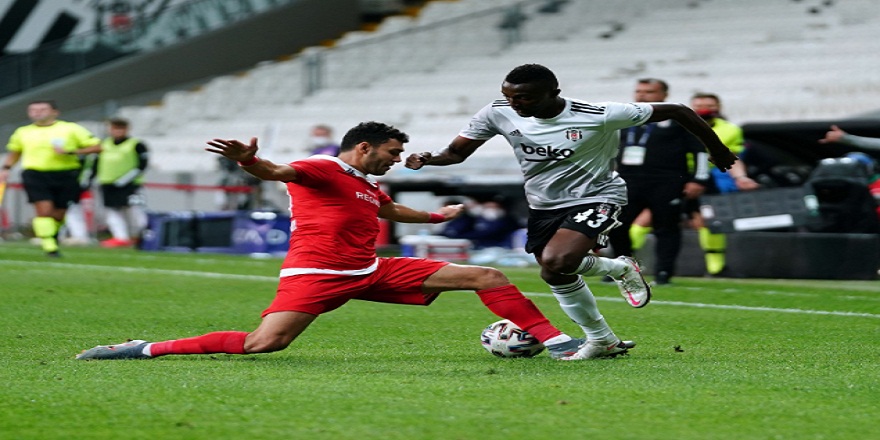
{"points": [[707, 115]]}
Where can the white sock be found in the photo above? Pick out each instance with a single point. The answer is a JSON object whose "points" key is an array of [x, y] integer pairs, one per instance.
{"points": [[593, 265], [75, 223], [557, 339], [139, 218], [117, 224], [578, 302], [599, 330]]}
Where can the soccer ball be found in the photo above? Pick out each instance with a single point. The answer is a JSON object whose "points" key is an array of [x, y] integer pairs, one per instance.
{"points": [[506, 339]]}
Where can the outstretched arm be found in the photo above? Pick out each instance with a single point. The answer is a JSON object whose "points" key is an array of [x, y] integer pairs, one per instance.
{"points": [[456, 152], [835, 134], [246, 156], [721, 156], [404, 214]]}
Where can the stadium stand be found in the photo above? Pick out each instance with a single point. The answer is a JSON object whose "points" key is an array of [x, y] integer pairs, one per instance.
{"points": [[772, 61], [428, 70]]}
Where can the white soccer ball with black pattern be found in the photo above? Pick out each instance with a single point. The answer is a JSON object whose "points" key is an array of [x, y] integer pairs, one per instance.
{"points": [[506, 339]]}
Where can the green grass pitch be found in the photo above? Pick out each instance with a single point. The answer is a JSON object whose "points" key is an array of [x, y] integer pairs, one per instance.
{"points": [[716, 359]]}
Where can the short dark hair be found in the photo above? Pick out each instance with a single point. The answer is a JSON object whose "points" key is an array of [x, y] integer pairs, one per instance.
{"points": [[532, 73], [118, 122], [663, 85], [373, 133], [701, 95], [51, 103]]}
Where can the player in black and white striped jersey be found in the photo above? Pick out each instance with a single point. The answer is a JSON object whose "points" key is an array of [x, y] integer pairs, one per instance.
{"points": [[566, 149]]}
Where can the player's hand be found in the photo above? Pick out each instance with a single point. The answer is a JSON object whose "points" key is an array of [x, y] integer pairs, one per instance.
{"points": [[234, 149], [450, 212], [723, 159], [417, 160]]}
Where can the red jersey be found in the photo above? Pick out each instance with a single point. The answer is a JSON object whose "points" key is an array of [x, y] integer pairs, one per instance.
{"points": [[334, 211]]}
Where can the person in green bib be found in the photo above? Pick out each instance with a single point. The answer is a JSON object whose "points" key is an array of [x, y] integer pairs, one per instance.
{"points": [[120, 172], [708, 106], [48, 149]]}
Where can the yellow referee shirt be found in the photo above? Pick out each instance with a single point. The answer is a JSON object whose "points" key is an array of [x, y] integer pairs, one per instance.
{"points": [[37, 145]]}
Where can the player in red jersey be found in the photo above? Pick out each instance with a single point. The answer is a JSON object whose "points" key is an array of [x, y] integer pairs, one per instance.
{"points": [[332, 257]]}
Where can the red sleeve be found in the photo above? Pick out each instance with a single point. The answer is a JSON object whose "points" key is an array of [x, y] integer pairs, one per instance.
{"points": [[311, 171], [384, 199]]}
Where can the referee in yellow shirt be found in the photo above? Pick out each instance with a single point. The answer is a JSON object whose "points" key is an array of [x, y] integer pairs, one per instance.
{"points": [[48, 149]]}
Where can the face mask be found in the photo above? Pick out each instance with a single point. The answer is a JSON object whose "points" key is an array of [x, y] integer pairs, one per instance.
{"points": [[492, 214], [707, 114], [320, 141]]}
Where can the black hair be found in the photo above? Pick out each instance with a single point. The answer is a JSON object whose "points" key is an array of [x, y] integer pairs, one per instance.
{"points": [[51, 103], [118, 122], [663, 85], [532, 73], [707, 96], [373, 133]]}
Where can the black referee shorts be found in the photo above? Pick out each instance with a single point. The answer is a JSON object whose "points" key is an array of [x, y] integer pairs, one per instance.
{"points": [[61, 187]]}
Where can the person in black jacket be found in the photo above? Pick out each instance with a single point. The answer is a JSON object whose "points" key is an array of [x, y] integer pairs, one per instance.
{"points": [[655, 160]]}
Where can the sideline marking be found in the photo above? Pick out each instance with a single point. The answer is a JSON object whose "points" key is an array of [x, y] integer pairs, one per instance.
{"points": [[537, 294], [733, 307], [145, 270]]}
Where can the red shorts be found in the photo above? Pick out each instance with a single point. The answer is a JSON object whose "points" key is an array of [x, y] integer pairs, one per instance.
{"points": [[395, 280]]}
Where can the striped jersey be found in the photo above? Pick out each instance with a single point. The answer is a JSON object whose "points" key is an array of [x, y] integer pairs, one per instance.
{"points": [[567, 160]]}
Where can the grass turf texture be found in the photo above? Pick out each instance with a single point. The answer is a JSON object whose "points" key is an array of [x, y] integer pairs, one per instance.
{"points": [[722, 359]]}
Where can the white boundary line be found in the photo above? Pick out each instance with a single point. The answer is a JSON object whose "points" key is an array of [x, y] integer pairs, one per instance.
{"points": [[194, 273], [733, 307], [536, 294]]}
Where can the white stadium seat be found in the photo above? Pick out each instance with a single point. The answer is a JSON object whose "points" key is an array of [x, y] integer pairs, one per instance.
{"points": [[769, 61]]}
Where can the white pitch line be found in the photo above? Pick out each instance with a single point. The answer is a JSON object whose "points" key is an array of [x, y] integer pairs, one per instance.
{"points": [[537, 294], [768, 309], [732, 307], [193, 273]]}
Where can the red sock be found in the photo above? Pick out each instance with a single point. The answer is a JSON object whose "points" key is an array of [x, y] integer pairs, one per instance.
{"points": [[217, 342], [509, 303]]}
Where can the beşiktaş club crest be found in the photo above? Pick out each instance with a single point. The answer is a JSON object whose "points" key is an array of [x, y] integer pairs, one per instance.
{"points": [[573, 134]]}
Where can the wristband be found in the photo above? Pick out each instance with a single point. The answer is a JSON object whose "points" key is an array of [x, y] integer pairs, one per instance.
{"points": [[436, 218], [250, 162]]}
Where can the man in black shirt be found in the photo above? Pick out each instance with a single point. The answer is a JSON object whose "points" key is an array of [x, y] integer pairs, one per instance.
{"points": [[662, 164]]}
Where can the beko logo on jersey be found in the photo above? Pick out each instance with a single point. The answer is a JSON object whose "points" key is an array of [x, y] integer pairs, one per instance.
{"points": [[545, 154], [368, 197]]}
